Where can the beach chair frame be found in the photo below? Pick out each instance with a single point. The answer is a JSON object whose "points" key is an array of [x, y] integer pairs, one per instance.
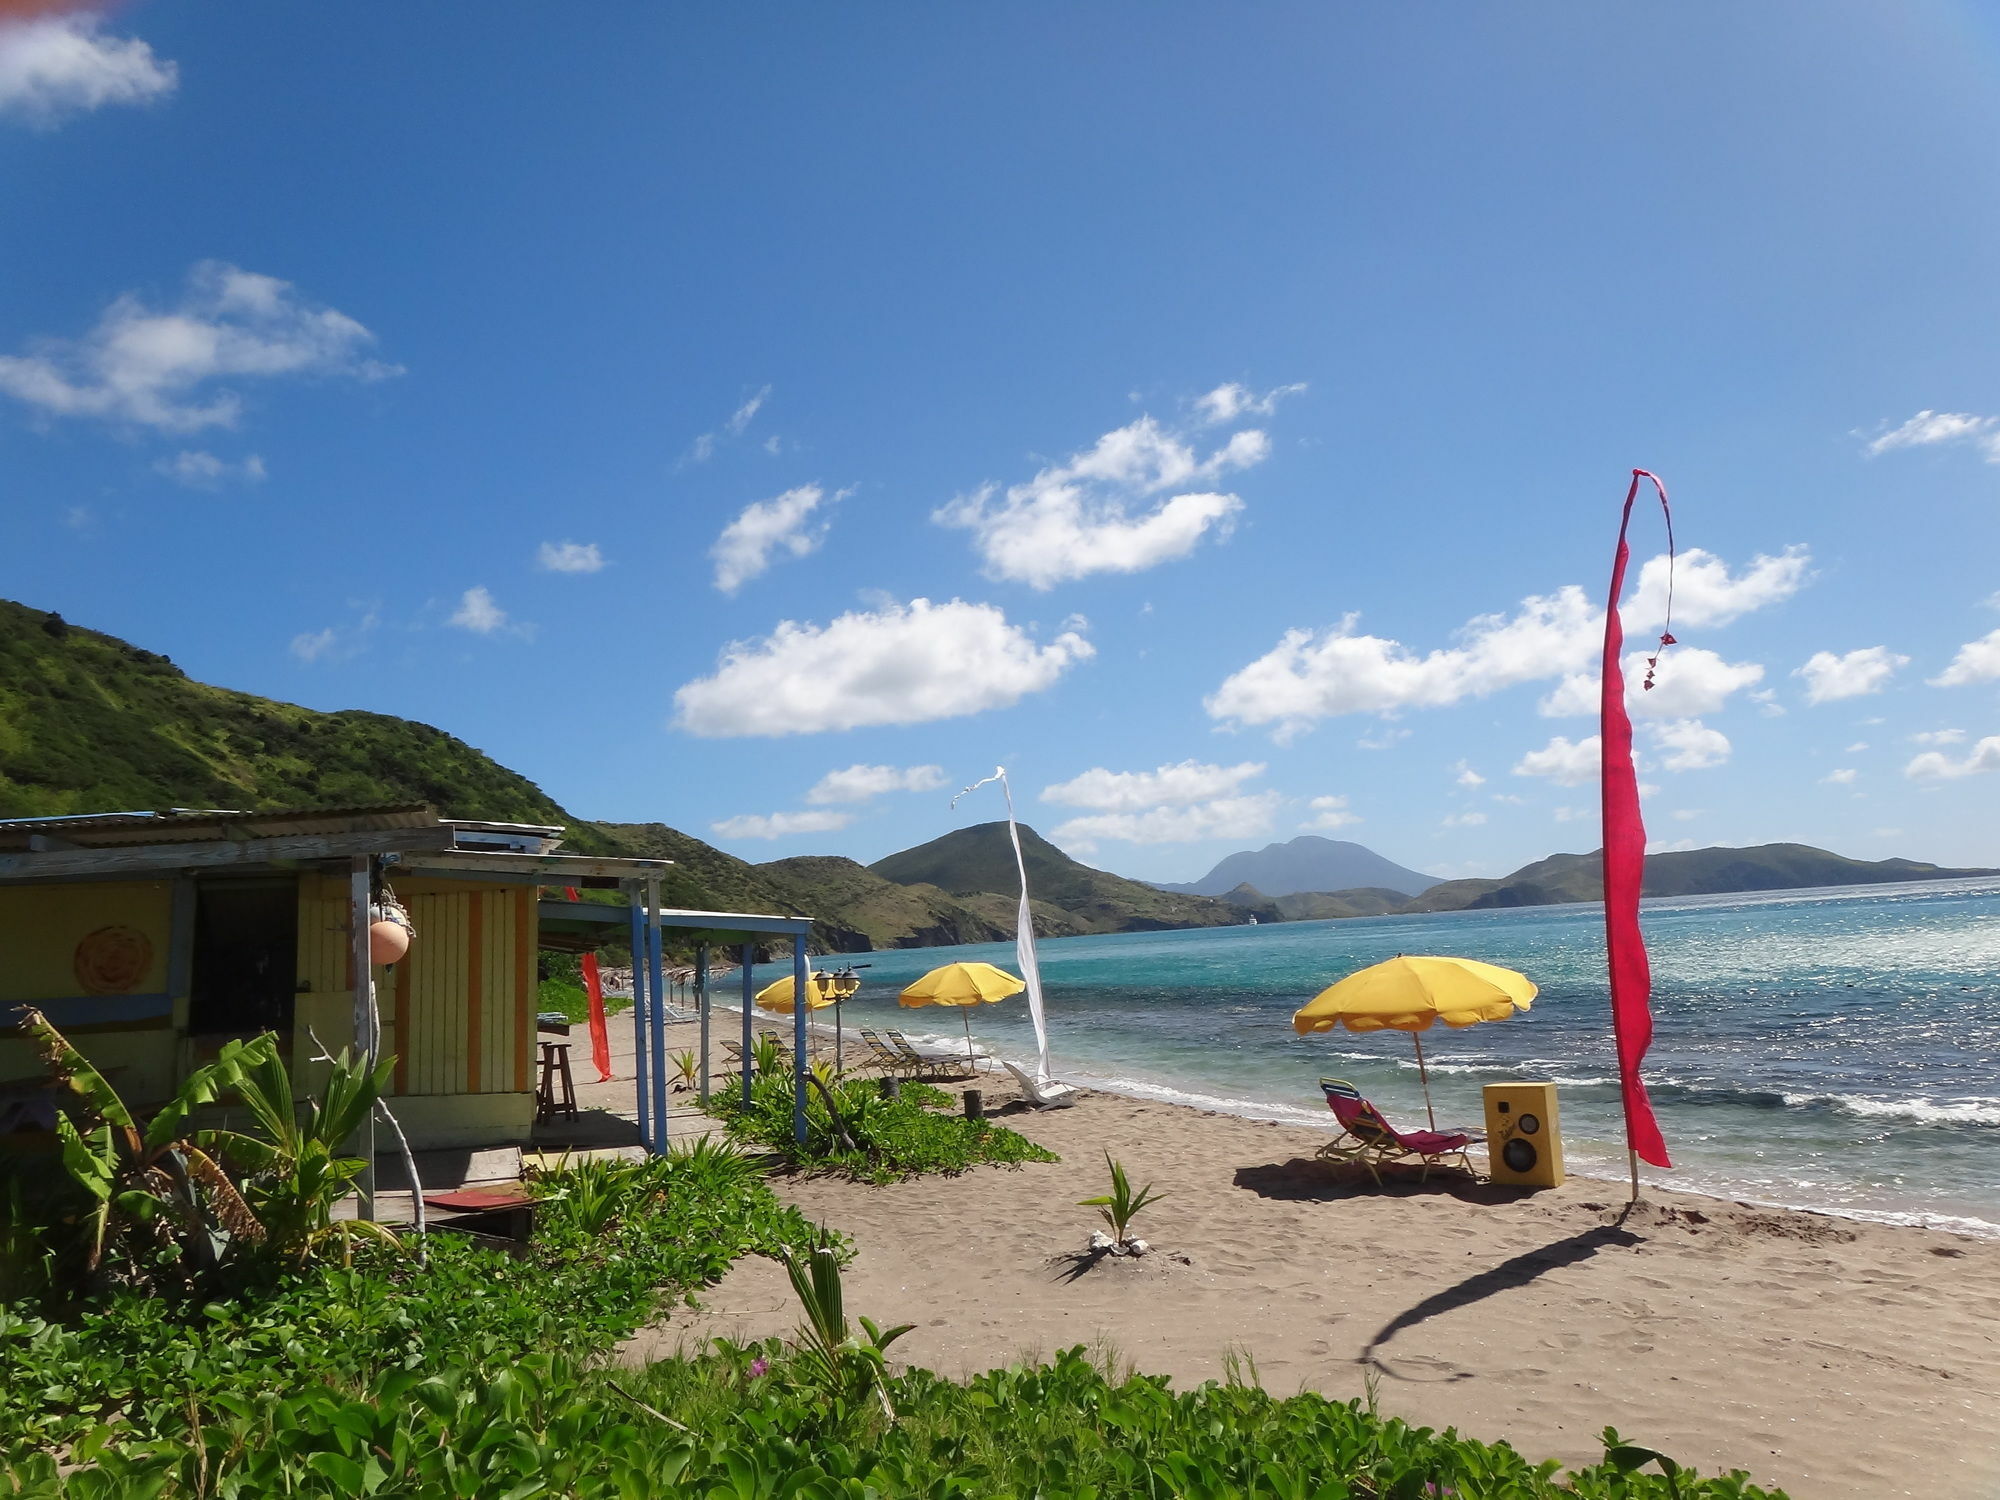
{"points": [[882, 1055], [1367, 1138], [920, 1065]]}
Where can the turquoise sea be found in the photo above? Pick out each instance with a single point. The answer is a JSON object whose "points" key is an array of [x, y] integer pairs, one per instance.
{"points": [[1835, 1049]]}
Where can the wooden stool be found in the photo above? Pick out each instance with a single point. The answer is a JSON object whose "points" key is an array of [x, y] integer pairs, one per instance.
{"points": [[556, 1093]]}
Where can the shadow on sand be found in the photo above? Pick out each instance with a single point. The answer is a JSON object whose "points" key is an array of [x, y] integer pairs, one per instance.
{"points": [[1309, 1180]]}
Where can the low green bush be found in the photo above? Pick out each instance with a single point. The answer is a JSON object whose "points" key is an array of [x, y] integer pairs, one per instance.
{"points": [[749, 1423], [884, 1139], [592, 1276]]}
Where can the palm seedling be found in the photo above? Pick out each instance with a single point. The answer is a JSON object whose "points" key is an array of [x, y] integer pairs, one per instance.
{"points": [[847, 1364], [1121, 1205], [297, 1169], [687, 1071]]}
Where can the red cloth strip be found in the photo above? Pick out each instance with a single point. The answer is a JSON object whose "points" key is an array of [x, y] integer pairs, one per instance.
{"points": [[593, 986], [1625, 866]]}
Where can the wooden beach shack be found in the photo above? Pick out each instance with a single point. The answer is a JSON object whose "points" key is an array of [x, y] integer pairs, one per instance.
{"points": [[151, 939]]}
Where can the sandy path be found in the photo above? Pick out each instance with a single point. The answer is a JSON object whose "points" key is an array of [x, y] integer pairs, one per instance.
{"points": [[1834, 1358]]}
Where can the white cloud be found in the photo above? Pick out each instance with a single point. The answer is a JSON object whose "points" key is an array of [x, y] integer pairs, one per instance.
{"points": [[1245, 817], [1858, 673], [1977, 661], [204, 471], [780, 525], [569, 557], [1467, 776], [313, 645], [1928, 428], [1509, 798], [1687, 814], [1228, 403], [1691, 681], [1098, 512], [478, 613], [1464, 820], [779, 825], [1572, 814], [1179, 785], [1676, 846], [1706, 594], [899, 664], [1311, 675], [1690, 745], [1329, 813], [1857, 747], [154, 368], [1767, 703], [733, 426], [1940, 737], [1935, 765], [1842, 777], [861, 783], [1564, 763], [55, 66], [1383, 737]]}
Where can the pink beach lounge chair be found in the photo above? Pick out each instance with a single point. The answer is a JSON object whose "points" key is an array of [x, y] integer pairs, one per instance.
{"points": [[1371, 1140]]}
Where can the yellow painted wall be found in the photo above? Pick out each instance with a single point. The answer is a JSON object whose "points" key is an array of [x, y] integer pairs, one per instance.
{"points": [[41, 931], [458, 1011]]}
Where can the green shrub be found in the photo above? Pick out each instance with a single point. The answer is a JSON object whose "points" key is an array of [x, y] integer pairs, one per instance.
{"points": [[593, 1276], [755, 1422], [885, 1139]]}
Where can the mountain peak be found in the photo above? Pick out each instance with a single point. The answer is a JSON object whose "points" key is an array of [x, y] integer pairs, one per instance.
{"points": [[1308, 863]]}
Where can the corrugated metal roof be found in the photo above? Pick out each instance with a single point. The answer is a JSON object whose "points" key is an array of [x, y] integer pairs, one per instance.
{"points": [[184, 826]]}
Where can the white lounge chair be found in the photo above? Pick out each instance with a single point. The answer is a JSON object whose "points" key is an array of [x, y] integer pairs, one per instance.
{"points": [[1050, 1095]]}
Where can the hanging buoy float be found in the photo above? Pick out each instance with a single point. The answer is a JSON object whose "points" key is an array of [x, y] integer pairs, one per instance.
{"points": [[389, 929]]}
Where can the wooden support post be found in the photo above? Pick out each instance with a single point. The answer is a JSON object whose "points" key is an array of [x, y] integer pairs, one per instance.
{"points": [[799, 1009], [701, 1006], [749, 1003], [656, 958], [644, 1094], [360, 895]]}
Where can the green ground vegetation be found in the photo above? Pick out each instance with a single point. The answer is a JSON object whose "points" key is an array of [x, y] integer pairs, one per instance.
{"points": [[867, 1136]]}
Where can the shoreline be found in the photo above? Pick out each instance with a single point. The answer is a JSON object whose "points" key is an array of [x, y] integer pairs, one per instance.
{"points": [[1611, 1173], [1831, 1356]]}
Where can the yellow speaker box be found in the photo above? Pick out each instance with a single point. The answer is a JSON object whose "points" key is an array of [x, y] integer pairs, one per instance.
{"points": [[1523, 1135]]}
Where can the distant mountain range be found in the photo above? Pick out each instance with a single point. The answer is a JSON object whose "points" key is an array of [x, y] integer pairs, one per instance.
{"points": [[1307, 863], [90, 723]]}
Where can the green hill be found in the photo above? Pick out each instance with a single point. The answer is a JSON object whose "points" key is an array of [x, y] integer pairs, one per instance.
{"points": [[1685, 872], [886, 915], [979, 861]]}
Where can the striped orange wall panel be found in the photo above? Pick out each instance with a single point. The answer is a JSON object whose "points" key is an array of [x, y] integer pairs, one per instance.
{"points": [[525, 986], [475, 991]]}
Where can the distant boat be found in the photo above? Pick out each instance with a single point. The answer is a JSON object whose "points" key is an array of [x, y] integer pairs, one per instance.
{"points": [[1253, 919]]}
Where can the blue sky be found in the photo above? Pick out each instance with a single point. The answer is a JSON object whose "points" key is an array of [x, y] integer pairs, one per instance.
{"points": [[1248, 392]]}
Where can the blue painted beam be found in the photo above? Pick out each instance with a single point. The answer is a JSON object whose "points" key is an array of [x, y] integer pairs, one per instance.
{"points": [[749, 1001], [799, 1010], [656, 960], [644, 1101]]}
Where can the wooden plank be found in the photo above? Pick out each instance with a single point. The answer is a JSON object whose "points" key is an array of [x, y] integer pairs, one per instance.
{"points": [[403, 1030], [524, 986], [475, 979]]}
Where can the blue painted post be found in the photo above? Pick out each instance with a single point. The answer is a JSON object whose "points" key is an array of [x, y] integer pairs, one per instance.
{"points": [[749, 956], [639, 1053], [701, 1004], [656, 956], [799, 1009]]}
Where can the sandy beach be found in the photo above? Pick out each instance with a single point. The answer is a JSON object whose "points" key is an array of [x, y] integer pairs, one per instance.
{"points": [[1831, 1357]]}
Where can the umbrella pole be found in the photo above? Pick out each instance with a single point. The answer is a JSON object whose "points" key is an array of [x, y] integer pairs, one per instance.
{"points": [[1425, 1074], [837, 1055], [965, 1015]]}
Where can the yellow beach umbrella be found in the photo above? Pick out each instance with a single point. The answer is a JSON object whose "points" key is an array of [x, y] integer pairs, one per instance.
{"points": [[822, 990], [964, 985], [1412, 992]]}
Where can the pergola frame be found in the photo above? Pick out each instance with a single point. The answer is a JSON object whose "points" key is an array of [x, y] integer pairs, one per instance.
{"points": [[647, 922]]}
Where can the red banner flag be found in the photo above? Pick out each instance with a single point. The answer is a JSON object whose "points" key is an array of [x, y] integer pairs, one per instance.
{"points": [[1625, 859], [593, 987]]}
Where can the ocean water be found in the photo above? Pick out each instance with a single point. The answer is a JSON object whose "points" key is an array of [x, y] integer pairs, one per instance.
{"points": [[1836, 1049]]}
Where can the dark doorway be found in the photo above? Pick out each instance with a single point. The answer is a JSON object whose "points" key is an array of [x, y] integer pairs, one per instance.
{"points": [[246, 957]]}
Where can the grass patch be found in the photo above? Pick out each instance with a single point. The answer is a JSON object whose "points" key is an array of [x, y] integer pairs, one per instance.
{"points": [[885, 1139]]}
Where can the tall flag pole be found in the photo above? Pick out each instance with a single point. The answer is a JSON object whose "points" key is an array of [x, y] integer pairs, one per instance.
{"points": [[1024, 927], [1625, 857]]}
